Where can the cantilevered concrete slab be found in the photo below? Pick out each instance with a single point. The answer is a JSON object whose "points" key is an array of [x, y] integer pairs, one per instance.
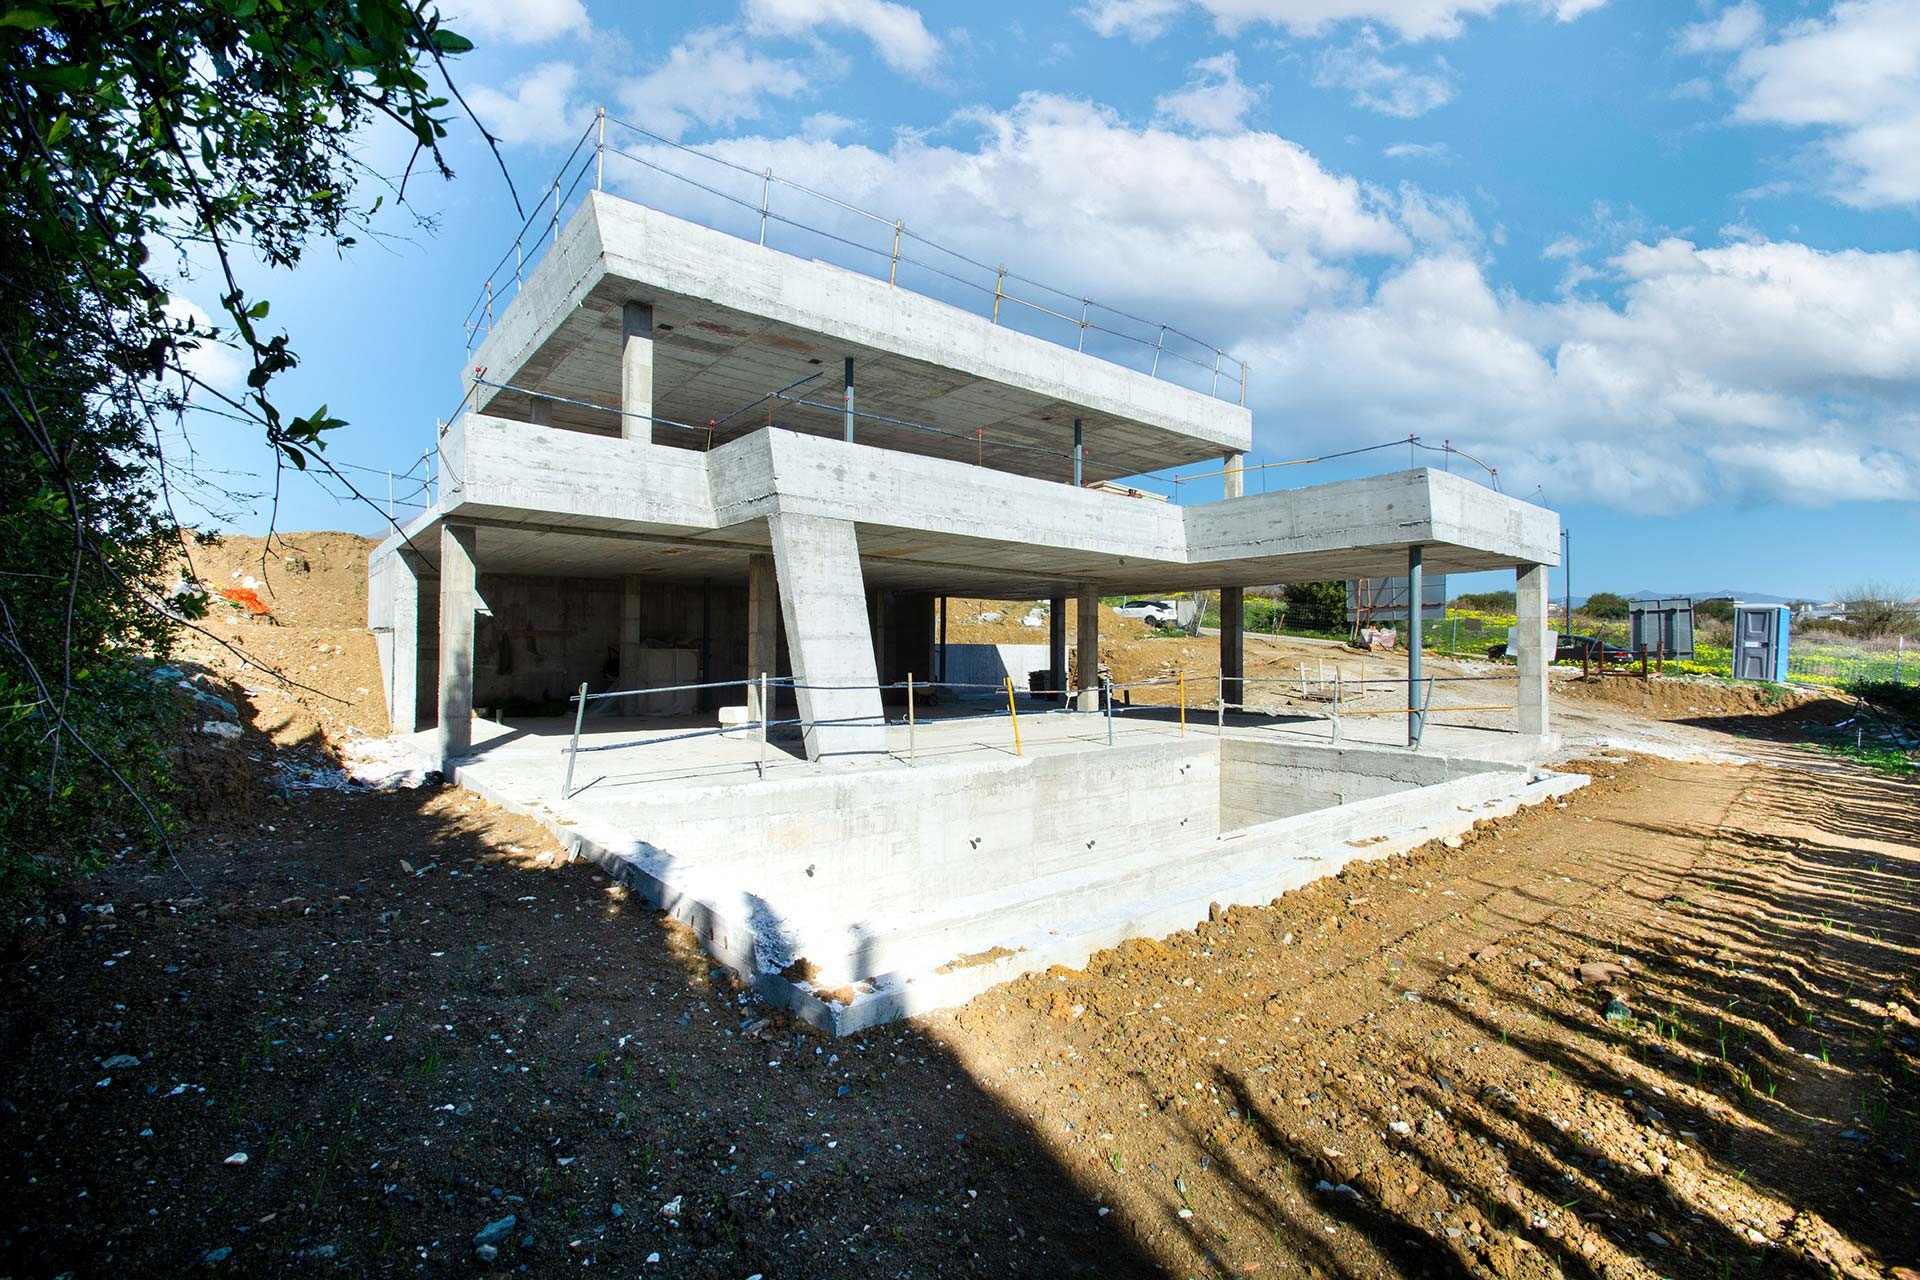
{"points": [[549, 502], [732, 321]]}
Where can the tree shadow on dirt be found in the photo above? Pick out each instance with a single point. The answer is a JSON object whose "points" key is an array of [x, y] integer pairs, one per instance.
{"points": [[417, 1017]]}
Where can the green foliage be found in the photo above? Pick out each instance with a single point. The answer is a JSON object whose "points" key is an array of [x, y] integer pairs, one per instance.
{"points": [[1317, 606], [136, 136], [1488, 601], [1605, 604], [1720, 609]]}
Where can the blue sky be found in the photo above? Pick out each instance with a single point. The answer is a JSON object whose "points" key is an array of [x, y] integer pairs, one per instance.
{"points": [[1654, 261]]}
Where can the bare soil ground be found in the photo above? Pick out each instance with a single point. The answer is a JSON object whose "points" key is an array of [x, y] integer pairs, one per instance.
{"points": [[415, 1020]]}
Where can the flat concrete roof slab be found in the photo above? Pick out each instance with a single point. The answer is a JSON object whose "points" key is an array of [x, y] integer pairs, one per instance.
{"points": [[734, 321]]}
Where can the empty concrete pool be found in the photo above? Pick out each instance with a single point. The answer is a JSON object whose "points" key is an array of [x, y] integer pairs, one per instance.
{"points": [[860, 895]]}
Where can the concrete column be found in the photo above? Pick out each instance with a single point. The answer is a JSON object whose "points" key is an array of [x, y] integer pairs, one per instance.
{"points": [[1234, 482], [1087, 640], [636, 371], [824, 601], [632, 616], [1233, 644], [403, 673], [459, 599], [1416, 722], [1530, 639], [540, 412], [763, 626], [1057, 642]]}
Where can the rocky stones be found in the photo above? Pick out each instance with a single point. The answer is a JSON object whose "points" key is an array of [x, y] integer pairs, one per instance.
{"points": [[494, 1233], [1596, 973]]}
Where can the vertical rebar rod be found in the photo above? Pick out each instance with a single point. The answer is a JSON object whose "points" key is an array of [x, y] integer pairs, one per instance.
{"points": [[912, 751], [765, 712], [1079, 453], [1106, 690], [849, 399], [1183, 704], [573, 749], [1220, 707]]}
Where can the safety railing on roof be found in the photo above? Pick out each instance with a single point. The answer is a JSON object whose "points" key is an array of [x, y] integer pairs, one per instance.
{"points": [[1181, 487], [736, 198], [1340, 690]]}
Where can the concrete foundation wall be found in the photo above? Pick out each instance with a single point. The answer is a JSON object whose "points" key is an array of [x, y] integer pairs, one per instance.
{"points": [[1265, 781], [992, 663], [854, 846]]}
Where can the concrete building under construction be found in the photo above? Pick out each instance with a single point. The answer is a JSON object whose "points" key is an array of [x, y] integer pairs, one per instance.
{"points": [[689, 460]]}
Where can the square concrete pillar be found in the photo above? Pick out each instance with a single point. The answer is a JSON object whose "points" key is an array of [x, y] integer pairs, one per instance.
{"points": [[405, 572], [1057, 643], [1234, 483], [1233, 644], [1530, 646], [824, 601], [763, 626], [1087, 641], [459, 600], [636, 371]]}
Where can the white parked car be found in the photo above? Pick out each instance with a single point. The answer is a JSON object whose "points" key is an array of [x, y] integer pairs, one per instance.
{"points": [[1157, 613]]}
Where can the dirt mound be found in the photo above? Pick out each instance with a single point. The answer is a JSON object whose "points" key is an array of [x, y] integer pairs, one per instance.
{"points": [[303, 579], [307, 665], [972, 621], [1699, 697]]}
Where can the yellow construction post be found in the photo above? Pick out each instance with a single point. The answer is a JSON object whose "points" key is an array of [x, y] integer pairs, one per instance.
{"points": [[1015, 713]]}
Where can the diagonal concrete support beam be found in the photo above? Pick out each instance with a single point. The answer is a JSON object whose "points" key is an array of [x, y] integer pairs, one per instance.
{"points": [[459, 600], [824, 601]]}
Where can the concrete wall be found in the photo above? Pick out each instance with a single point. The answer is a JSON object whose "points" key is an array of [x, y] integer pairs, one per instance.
{"points": [[992, 663], [1265, 781], [944, 831], [545, 636]]}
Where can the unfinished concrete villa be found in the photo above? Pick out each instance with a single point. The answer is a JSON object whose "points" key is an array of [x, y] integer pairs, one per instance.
{"points": [[724, 489]]}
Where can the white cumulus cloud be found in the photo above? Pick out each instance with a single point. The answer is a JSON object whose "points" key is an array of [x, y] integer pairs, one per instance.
{"points": [[1382, 86], [1854, 75], [1410, 19], [710, 78], [897, 32], [536, 108], [1215, 99], [516, 21]]}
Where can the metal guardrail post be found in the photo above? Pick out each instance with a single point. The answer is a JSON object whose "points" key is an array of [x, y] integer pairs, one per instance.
{"points": [[766, 194], [893, 271], [912, 752], [1220, 706], [1106, 689], [600, 149], [1183, 704], [573, 748], [998, 293], [1336, 707], [765, 713], [1015, 713]]}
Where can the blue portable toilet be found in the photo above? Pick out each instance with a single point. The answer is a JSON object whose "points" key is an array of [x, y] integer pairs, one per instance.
{"points": [[1760, 642]]}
